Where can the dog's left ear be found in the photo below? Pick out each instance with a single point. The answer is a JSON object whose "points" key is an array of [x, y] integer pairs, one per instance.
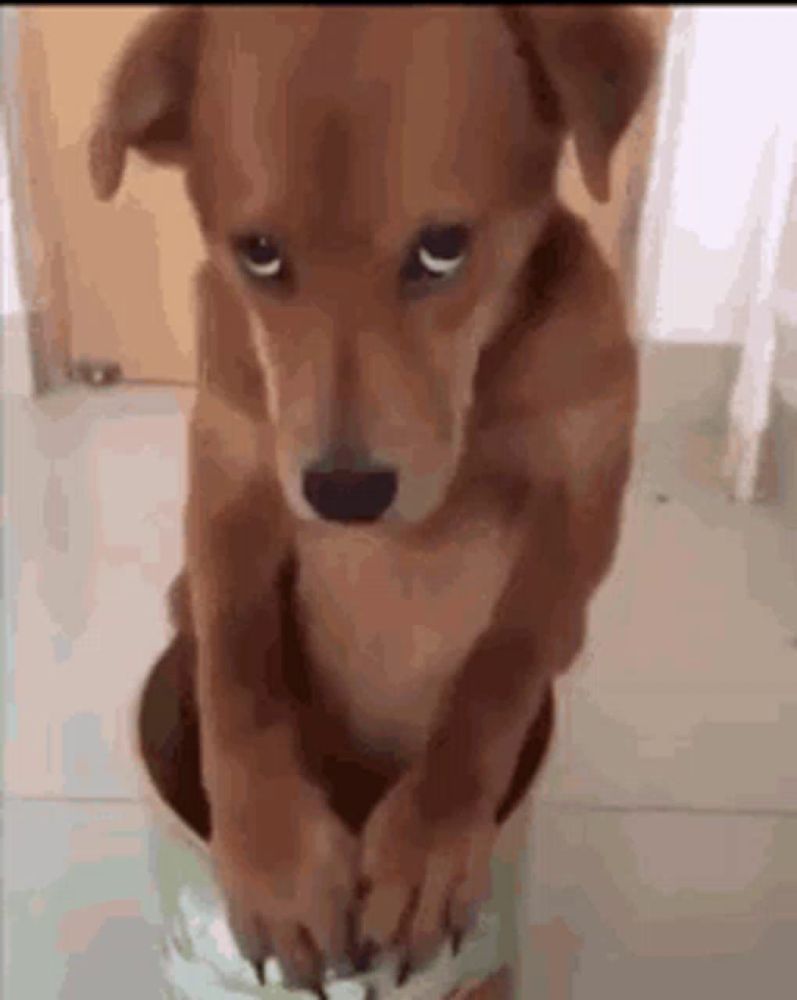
{"points": [[599, 62], [148, 98]]}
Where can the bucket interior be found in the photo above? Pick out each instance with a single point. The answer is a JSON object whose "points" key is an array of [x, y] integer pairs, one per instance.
{"points": [[168, 736]]}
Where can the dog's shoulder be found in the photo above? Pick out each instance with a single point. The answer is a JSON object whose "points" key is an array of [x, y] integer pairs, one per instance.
{"points": [[567, 312], [557, 388]]}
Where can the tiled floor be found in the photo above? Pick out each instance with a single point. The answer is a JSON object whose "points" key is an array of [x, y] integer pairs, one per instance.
{"points": [[665, 840]]}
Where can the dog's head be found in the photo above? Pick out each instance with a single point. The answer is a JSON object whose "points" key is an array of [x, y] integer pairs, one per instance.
{"points": [[370, 181]]}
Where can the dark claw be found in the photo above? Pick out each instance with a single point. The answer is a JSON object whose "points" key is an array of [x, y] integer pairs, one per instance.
{"points": [[353, 950], [456, 941], [254, 945], [293, 980], [404, 973], [364, 956]]}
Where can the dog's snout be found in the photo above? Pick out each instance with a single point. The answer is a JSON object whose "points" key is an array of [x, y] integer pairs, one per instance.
{"points": [[349, 494]]}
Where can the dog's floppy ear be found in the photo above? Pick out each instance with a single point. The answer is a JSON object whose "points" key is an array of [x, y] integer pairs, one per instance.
{"points": [[148, 98], [599, 61]]}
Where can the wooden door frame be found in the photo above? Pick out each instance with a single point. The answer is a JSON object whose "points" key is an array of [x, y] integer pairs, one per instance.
{"points": [[42, 280]]}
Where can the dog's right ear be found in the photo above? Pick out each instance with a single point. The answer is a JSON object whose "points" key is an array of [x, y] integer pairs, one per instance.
{"points": [[598, 61], [148, 98]]}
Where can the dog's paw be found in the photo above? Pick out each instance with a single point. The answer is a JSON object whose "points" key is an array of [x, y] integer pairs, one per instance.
{"points": [[420, 881], [287, 871]]}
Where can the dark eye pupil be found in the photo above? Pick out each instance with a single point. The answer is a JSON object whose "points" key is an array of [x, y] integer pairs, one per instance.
{"points": [[435, 255], [259, 249], [446, 242]]}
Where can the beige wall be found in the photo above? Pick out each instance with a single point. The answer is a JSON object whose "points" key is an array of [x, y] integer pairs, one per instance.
{"points": [[119, 273], [117, 278]]}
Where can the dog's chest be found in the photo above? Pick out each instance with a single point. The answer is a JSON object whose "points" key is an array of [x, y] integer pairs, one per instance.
{"points": [[388, 626]]}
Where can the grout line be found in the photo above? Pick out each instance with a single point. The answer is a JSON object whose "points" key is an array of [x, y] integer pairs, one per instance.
{"points": [[664, 809], [92, 800], [562, 804]]}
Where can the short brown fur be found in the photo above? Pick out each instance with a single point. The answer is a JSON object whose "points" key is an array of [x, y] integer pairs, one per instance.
{"points": [[365, 694]]}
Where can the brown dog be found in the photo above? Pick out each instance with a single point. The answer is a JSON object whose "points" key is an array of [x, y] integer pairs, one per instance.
{"points": [[411, 439]]}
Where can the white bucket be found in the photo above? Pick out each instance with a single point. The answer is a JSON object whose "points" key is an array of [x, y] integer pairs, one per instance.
{"points": [[200, 959]]}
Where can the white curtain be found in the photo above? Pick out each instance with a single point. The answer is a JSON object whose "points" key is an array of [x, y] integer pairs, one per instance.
{"points": [[717, 246], [10, 293]]}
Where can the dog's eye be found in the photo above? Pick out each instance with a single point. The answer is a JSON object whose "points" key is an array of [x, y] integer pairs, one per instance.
{"points": [[261, 257], [438, 253]]}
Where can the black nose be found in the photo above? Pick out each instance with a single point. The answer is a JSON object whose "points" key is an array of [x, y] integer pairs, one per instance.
{"points": [[347, 494]]}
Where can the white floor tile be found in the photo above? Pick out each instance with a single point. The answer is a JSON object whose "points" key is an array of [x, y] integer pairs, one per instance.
{"points": [[687, 692], [94, 539], [691, 750], [80, 910], [648, 904]]}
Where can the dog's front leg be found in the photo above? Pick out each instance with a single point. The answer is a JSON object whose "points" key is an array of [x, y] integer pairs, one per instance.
{"points": [[284, 861], [428, 844]]}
